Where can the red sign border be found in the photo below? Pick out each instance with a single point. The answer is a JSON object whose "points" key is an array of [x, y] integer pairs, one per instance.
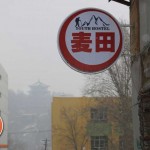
{"points": [[75, 64], [2, 126]]}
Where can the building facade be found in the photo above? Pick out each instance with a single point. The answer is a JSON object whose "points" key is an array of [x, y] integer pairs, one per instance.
{"points": [[3, 107], [140, 49], [82, 123]]}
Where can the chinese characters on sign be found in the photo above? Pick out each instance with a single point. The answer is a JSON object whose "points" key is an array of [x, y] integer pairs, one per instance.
{"points": [[81, 42], [90, 40], [104, 42]]}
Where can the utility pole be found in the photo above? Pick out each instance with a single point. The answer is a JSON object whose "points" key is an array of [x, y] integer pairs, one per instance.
{"points": [[45, 143]]}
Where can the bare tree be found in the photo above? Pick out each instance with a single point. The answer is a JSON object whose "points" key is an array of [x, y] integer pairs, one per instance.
{"points": [[116, 82], [73, 131]]}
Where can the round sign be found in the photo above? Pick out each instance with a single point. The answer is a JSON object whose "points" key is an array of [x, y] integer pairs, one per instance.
{"points": [[90, 40], [1, 126]]}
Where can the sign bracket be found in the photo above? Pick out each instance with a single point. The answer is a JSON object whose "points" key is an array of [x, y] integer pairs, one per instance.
{"points": [[122, 2]]}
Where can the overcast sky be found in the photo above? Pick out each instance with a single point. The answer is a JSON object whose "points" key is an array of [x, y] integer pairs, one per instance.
{"points": [[28, 41]]}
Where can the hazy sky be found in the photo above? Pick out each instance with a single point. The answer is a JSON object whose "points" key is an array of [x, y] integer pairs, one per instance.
{"points": [[28, 41]]}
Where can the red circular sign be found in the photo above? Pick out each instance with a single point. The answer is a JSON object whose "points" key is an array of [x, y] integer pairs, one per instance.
{"points": [[1, 125], [90, 40]]}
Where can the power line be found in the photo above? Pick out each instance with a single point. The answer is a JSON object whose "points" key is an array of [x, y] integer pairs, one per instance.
{"points": [[29, 132]]}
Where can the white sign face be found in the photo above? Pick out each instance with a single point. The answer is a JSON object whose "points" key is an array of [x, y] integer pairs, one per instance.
{"points": [[1, 126], [90, 40]]}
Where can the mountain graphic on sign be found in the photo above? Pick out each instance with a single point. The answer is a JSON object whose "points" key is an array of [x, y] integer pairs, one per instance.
{"points": [[97, 20]]}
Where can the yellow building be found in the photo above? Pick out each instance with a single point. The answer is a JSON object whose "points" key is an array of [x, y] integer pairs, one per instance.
{"points": [[81, 123]]}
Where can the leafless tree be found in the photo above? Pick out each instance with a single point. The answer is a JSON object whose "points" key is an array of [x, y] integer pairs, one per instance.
{"points": [[73, 131], [116, 82]]}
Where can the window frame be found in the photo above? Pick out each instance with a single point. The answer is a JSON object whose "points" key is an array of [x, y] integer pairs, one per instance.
{"points": [[99, 114], [99, 143]]}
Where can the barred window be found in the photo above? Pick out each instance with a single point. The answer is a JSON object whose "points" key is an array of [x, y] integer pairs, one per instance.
{"points": [[99, 143]]}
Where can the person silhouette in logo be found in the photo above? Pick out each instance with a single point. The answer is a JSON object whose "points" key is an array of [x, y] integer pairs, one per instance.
{"points": [[78, 21]]}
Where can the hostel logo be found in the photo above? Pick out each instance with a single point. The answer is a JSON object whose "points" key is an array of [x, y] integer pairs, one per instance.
{"points": [[1, 126], [98, 21]]}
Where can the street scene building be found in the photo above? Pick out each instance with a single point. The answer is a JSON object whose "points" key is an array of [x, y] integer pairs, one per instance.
{"points": [[86, 124], [3, 107]]}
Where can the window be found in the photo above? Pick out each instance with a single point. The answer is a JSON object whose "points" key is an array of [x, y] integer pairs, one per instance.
{"points": [[99, 143], [99, 114]]}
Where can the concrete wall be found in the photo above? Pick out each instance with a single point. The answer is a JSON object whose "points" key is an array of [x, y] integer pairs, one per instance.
{"points": [[144, 15], [140, 49], [3, 107], [136, 69]]}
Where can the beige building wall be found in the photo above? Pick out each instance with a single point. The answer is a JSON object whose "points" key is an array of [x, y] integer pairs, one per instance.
{"points": [[72, 105]]}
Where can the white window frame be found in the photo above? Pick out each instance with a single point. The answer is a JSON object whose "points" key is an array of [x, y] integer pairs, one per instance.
{"points": [[99, 143]]}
